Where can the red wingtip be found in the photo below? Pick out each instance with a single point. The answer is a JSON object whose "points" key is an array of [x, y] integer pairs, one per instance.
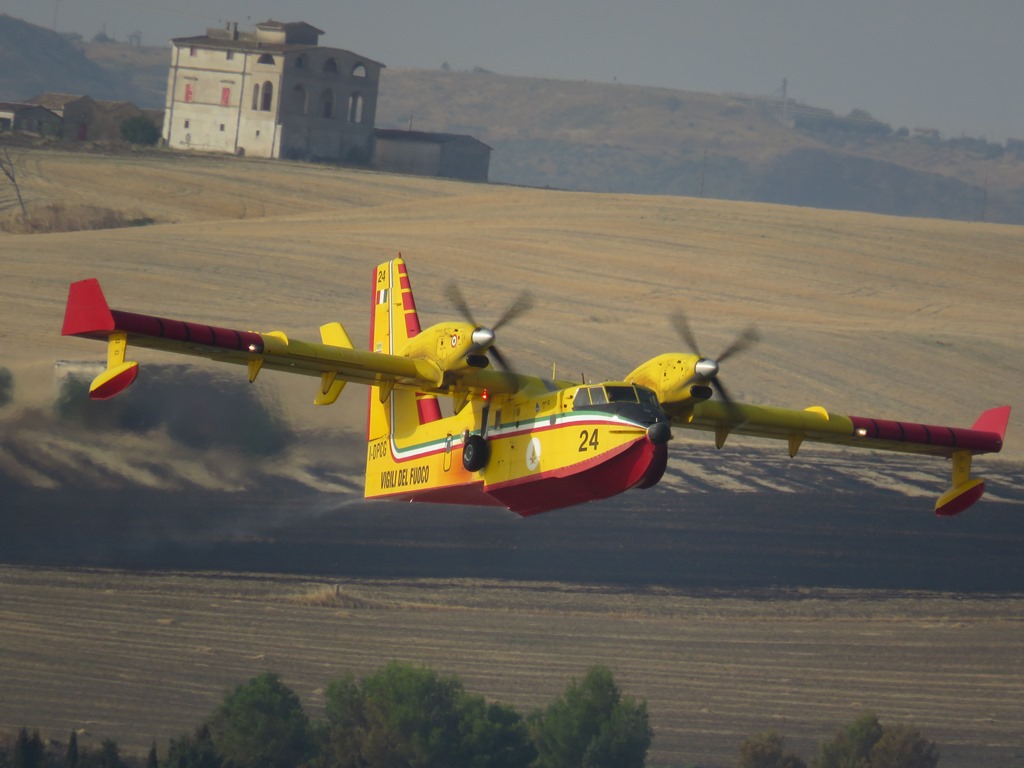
{"points": [[994, 420], [87, 311]]}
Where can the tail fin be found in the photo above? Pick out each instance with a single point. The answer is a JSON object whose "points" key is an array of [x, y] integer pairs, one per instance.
{"points": [[393, 321]]}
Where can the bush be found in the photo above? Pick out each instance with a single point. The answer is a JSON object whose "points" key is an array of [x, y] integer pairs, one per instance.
{"points": [[140, 130], [767, 750], [866, 743], [195, 751], [405, 715], [592, 725], [57, 217], [262, 725]]}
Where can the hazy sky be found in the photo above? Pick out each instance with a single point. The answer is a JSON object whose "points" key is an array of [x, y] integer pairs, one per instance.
{"points": [[953, 65]]}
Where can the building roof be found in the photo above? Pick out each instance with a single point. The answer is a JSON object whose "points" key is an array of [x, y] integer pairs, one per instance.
{"points": [[230, 39], [55, 101], [286, 25], [425, 137], [261, 46], [17, 106]]}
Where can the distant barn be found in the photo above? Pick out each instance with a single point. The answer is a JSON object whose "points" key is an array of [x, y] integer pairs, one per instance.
{"points": [[448, 155], [28, 118]]}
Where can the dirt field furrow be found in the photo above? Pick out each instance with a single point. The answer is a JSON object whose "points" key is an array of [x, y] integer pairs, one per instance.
{"points": [[148, 656]]}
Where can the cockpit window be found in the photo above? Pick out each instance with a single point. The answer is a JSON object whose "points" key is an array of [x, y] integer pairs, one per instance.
{"points": [[621, 394], [647, 397], [613, 393]]}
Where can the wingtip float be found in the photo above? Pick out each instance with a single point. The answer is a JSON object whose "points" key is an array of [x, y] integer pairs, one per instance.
{"points": [[523, 442]]}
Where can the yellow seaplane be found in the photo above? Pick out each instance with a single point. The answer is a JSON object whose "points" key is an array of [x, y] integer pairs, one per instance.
{"points": [[523, 442]]}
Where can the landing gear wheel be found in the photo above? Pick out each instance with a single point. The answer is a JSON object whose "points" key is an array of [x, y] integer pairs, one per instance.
{"points": [[475, 453]]}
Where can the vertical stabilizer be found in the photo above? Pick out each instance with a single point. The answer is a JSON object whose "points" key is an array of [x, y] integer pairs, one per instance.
{"points": [[393, 414]]}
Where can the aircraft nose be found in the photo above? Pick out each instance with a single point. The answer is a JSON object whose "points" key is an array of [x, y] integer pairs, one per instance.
{"points": [[659, 433]]}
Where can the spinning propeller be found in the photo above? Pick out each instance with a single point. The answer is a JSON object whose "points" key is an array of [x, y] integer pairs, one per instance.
{"points": [[706, 370], [483, 337]]}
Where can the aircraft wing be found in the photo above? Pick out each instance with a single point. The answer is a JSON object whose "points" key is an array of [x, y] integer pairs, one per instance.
{"points": [[332, 359], [817, 425]]}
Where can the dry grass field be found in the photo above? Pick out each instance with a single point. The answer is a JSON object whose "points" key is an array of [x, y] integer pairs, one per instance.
{"points": [[867, 315], [149, 656], [863, 314]]}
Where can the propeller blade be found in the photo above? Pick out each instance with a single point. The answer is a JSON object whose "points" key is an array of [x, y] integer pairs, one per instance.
{"points": [[500, 360], [522, 304], [483, 337], [744, 340], [683, 329], [455, 298], [735, 414]]}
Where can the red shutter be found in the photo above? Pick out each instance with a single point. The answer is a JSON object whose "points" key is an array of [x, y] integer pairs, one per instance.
{"points": [[188, 92], [225, 97]]}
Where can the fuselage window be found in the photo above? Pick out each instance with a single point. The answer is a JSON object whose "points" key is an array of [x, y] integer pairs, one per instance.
{"points": [[597, 396], [582, 399]]}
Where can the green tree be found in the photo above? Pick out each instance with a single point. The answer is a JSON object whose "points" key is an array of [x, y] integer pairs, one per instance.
{"points": [[592, 725], [140, 130], [903, 746], [404, 716], [767, 750], [151, 761], [71, 754], [107, 756], [261, 724], [29, 751], [496, 735], [866, 743], [195, 751], [851, 746]]}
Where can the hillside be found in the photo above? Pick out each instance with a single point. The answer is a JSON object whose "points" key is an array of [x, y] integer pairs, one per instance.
{"points": [[605, 137], [860, 313], [34, 60], [608, 137]]}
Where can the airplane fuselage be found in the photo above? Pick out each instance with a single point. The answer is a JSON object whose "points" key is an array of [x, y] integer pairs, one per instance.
{"points": [[564, 445]]}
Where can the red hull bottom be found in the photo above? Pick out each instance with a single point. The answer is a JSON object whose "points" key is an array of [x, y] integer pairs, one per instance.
{"points": [[639, 464]]}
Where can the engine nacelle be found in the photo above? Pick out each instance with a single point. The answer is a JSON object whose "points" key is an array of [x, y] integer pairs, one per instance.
{"points": [[673, 377]]}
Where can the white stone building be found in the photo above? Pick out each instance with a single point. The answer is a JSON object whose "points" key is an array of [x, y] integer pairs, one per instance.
{"points": [[274, 92]]}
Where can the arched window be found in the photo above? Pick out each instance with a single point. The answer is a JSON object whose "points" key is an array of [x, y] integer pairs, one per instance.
{"points": [[268, 96], [256, 96], [297, 100], [300, 61], [359, 70], [331, 66], [266, 58], [327, 103], [355, 108]]}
